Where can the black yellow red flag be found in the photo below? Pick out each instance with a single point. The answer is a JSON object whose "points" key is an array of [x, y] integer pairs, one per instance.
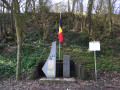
{"points": [[60, 34]]}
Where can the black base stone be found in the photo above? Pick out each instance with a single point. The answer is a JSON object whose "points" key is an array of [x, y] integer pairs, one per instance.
{"points": [[75, 70], [38, 73]]}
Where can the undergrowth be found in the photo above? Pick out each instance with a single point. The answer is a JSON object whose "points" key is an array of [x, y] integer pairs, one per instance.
{"points": [[31, 54], [74, 44]]}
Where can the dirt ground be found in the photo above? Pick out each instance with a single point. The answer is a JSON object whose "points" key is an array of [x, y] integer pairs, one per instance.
{"points": [[108, 81]]}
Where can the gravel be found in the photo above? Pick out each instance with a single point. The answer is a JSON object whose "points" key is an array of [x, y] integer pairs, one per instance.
{"points": [[109, 81]]}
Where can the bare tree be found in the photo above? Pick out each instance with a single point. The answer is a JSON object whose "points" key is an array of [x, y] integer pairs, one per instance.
{"points": [[111, 7], [110, 14], [42, 10], [68, 6], [89, 15], [1, 26], [81, 6], [19, 28], [4, 23], [12, 23], [73, 5]]}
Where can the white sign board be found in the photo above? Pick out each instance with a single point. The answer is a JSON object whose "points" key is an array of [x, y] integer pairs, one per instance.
{"points": [[94, 46]]}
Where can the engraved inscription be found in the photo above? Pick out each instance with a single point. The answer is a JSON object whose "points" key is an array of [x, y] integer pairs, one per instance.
{"points": [[50, 73], [51, 64]]}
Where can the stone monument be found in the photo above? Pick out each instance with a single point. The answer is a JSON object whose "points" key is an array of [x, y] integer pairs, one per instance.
{"points": [[66, 66], [49, 67]]}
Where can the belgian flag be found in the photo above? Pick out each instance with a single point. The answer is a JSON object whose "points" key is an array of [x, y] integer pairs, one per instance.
{"points": [[60, 34]]}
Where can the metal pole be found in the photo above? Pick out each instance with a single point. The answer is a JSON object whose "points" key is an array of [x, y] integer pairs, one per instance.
{"points": [[59, 51], [59, 43], [60, 15], [95, 65]]}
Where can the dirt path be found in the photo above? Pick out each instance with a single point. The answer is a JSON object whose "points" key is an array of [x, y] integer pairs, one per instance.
{"points": [[110, 81]]}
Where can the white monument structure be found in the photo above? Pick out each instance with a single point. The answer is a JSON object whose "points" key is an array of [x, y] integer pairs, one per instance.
{"points": [[49, 67]]}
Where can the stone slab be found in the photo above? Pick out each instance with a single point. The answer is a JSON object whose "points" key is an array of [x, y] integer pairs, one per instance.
{"points": [[49, 67], [66, 66], [57, 80]]}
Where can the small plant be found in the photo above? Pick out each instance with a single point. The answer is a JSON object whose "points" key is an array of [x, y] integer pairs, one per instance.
{"points": [[107, 51], [106, 65], [7, 67], [2, 45]]}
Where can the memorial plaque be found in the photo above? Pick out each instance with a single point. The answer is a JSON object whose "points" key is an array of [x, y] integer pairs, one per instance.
{"points": [[50, 64], [51, 73], [49, 67], [66, 66]]}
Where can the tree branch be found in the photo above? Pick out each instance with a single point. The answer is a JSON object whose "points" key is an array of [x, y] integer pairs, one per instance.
{"points": [[7, 4], [3, 5]]}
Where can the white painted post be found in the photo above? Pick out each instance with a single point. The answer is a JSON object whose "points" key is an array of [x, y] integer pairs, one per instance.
{"points": [[95, 66]]}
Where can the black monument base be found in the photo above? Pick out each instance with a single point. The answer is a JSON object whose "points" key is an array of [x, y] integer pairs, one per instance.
{"points": [[38, 73], [75, 70]]}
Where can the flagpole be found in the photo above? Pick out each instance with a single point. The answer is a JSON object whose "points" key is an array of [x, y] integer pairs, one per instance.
{"points": [[59, 51], [59, 42]]}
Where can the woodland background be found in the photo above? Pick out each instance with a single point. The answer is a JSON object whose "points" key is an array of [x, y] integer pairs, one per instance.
{"points": [[28, 27]]}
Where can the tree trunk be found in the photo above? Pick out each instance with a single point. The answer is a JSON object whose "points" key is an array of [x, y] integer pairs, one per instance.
{"points": [[1, 26], [81, 7], [3, 23], [36, 18], [19, 37], [1, 33], [90, 4], [12, 24], [18, 23], [68, 6], [73, 6], [101, 4], [110, 15]]}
